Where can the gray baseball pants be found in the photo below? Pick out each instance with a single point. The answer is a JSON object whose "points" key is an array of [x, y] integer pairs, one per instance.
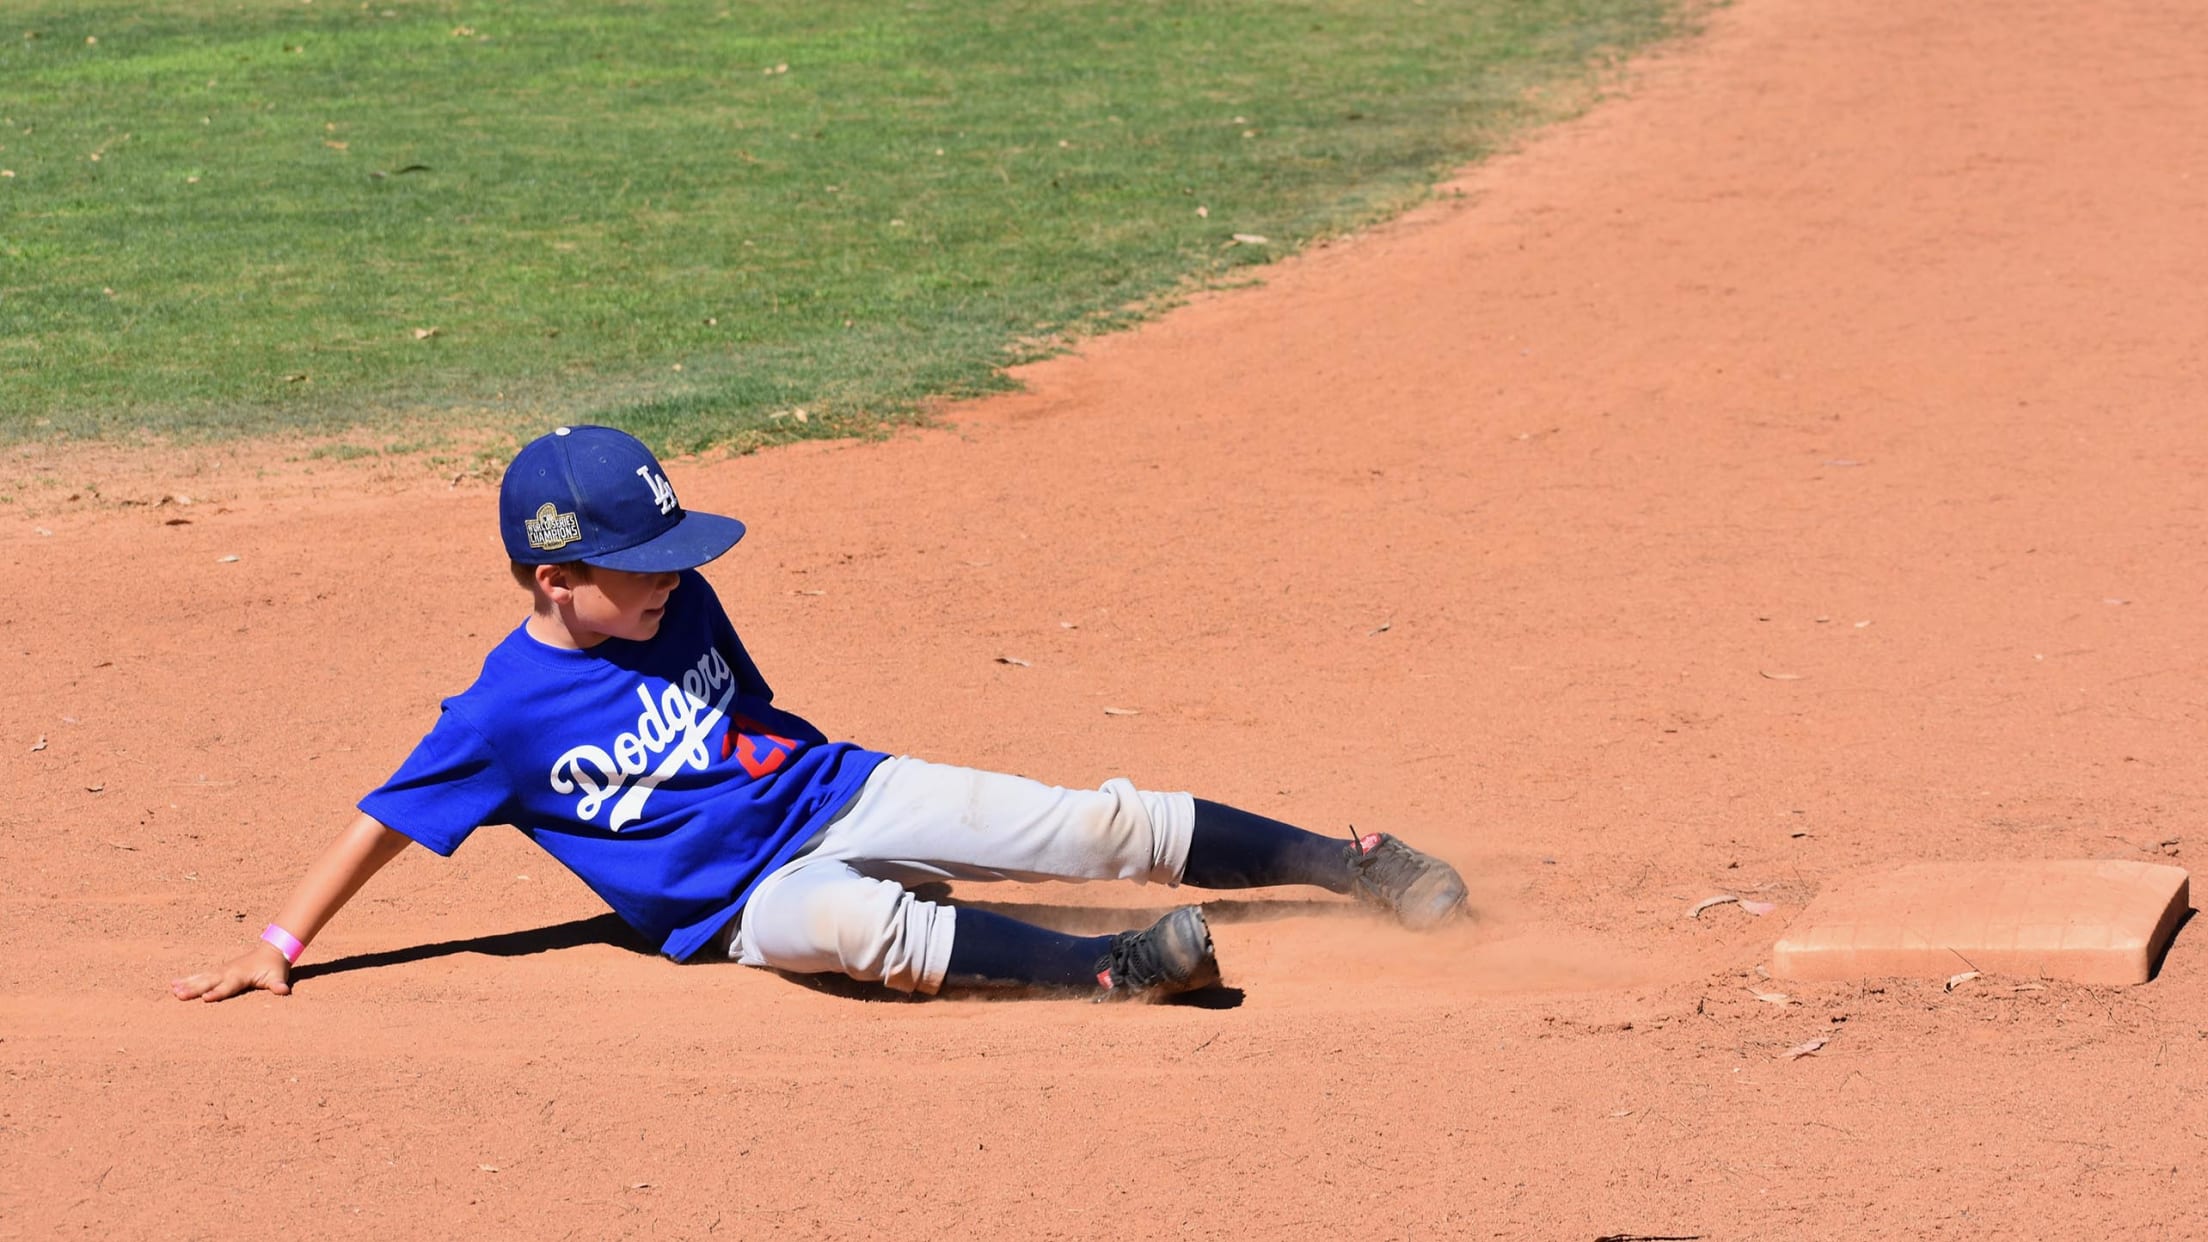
{"points": [[842, 906]]}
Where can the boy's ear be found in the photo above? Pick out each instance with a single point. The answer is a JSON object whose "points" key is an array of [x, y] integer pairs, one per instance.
{"points": [[554, 581]]}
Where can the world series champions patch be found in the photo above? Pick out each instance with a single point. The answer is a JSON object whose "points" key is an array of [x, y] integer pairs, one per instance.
{"points": [[551, 529]]}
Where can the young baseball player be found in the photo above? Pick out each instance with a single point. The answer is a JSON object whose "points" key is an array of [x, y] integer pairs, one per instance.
{"points": [[624, 728]]}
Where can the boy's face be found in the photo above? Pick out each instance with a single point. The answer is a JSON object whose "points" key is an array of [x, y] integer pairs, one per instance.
{"points": [[613, 604]]}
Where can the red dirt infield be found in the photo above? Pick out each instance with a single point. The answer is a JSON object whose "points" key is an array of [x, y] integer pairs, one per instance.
{"points": [[1793, 466]]}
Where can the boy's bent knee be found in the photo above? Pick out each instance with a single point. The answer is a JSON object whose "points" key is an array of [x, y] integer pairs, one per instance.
{"points": [[892, 940], [872, 930]]}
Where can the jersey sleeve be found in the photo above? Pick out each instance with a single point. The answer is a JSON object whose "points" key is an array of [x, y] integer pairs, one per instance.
{"points": [[451, 785]]}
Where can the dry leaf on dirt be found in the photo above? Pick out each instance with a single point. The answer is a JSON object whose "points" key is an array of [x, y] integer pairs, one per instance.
{"points": [[1956, 981], [1758, 908], [1696, 911], [488, 1168], [39, 745], [1781, 676], [1122, 711], [1014, 661], [1382, 628], [226, 560], [1781, 999], [94, 788], [1807, 1047]]}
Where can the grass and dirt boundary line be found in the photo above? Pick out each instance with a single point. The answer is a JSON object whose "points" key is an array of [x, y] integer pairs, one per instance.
{"points": [[412, 224]]}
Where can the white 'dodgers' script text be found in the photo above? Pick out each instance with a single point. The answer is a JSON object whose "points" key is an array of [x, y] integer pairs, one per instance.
{"points": [[676, 729]]}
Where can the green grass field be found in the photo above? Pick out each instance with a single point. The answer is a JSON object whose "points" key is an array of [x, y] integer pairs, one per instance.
{"points": [[689, 219]]}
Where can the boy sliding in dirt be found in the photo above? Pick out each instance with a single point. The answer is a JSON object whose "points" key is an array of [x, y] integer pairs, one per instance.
{"points": [[624, 729]]}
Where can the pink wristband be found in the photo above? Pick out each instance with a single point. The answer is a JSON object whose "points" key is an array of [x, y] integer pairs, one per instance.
{"points": [[286, 943]]}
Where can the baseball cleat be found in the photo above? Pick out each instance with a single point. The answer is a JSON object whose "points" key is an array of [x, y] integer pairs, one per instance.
{"points": [[1419, 889], [1171, 955]]}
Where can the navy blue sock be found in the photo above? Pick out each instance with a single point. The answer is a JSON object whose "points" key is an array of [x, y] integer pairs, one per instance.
{"points": [[1232, 848], [990, 950]]}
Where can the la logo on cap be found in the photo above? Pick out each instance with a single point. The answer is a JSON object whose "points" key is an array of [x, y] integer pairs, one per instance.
{"points": [[663, 492]]}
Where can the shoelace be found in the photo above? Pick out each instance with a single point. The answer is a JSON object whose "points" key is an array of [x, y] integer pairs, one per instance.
{"points": [[1120, 968], [1388, 865]]}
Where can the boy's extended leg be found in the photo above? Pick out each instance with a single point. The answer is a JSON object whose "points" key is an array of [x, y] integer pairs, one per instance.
{"points": [[1232, 848]]}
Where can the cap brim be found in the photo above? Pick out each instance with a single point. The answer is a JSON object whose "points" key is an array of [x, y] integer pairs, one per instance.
{"points": [[689, 543]]}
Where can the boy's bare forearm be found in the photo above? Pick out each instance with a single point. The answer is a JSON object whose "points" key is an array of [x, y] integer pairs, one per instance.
{"points": [[358, 853]]}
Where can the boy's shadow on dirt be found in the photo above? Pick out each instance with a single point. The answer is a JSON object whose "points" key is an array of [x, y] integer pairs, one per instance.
{"points": [[1218, 996], [1103, 920], [603, 929]]}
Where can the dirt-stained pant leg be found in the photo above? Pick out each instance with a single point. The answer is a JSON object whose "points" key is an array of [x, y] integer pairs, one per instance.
{"points": [[843, 906]]}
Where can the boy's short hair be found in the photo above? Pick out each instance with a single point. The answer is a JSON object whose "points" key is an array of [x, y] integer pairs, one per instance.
{"points": [[526, 575]]}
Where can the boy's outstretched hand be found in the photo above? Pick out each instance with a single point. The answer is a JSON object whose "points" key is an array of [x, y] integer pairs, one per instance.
{"points": [[262, 966], [359, 852]]}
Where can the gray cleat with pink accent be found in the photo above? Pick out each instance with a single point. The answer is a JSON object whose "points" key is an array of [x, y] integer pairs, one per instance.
{"points": [[1419, 889]]}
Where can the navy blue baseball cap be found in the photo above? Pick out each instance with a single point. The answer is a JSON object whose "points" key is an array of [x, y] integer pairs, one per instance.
{"points": [[597, 495]]}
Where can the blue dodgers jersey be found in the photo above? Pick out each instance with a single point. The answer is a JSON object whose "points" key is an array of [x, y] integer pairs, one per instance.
{"points": [[660, 772]]}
